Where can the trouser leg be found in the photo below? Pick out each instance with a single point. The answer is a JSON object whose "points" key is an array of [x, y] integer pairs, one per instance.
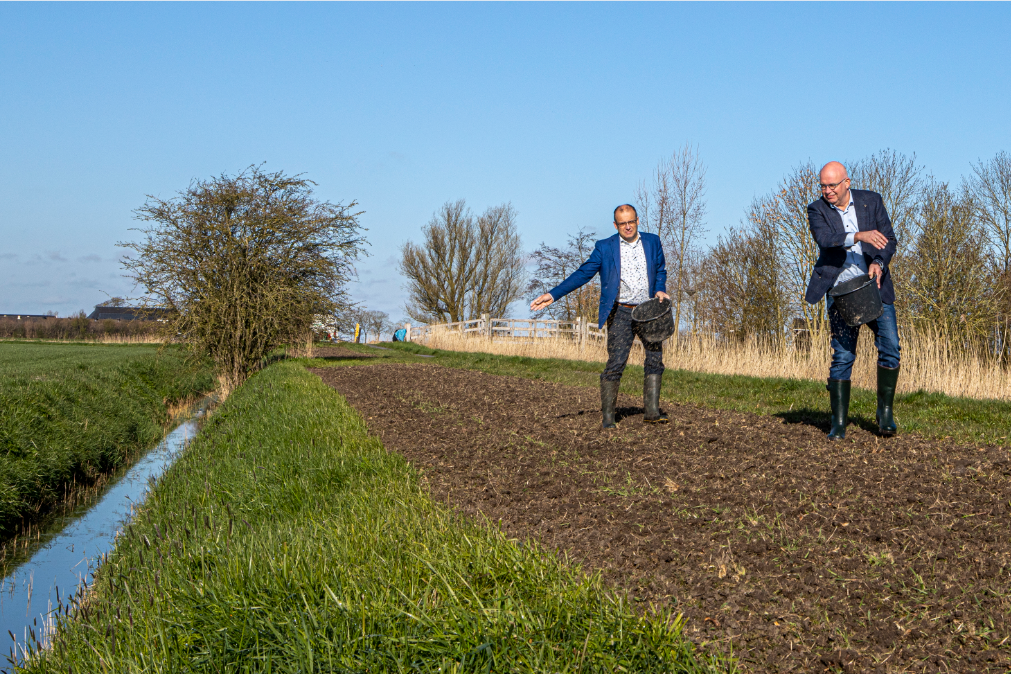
{"points": [[886, 338], [844, 345], [619, 343], [844, 349], [652, 380]]}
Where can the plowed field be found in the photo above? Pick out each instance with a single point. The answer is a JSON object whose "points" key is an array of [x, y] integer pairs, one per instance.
{"points": [[870, 554]]}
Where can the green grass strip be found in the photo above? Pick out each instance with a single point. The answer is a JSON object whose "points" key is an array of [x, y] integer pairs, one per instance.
{"points": [[931, 415], [286, 539], [69, 412]]}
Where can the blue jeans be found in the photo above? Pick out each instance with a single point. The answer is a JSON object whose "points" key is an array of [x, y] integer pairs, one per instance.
{"points": [[844, 341]]}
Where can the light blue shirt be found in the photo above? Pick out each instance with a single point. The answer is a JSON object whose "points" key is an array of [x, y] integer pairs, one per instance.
{"points": [[855, 262]]}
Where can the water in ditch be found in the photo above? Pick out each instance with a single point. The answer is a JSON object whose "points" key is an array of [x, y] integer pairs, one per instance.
{"points": [[68, 559]]}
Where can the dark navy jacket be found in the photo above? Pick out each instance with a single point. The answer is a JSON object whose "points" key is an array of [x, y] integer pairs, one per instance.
{"points": [[606, 260], [827, 228]]}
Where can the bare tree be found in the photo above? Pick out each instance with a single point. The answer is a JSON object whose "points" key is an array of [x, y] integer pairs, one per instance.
{"points": [[499, 273], [990, 186], [244, 263], [373, 322], [741, 292], [949, 286], [780, 219], [899, 181], [466, 266], [673, 206], [553, 266]]}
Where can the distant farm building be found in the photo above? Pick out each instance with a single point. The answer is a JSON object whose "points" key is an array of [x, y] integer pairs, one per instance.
{"points": [[24, 317], [128, 314]]}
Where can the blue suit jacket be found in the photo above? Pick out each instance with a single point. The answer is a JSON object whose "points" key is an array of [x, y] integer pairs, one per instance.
{"points": [[606, 260], [827, 228]]}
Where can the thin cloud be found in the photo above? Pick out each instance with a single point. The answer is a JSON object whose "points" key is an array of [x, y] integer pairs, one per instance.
{"points": [[90, 258], [55, 256], [9, 256]]}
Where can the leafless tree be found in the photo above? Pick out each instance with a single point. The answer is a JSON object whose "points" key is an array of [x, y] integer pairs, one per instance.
{"points": [[741, 291], [466, 266], [780, 219], [949, 286], [899, 181], [499, 273], [672, 205], [990, 186], [553, 266]]}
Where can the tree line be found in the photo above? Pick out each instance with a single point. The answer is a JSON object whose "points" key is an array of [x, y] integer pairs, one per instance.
{"points": [[952, 268]]}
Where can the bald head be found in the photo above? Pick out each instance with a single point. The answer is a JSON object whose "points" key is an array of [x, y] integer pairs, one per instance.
{"points": [[835, 184]]}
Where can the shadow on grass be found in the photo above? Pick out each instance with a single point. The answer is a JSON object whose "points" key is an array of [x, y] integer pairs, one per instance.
{"points": [[822, 419]]}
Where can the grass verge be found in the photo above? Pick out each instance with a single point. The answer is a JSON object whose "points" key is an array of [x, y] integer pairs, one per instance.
{"points": [[932, 415], [286, 539], [69, 413]]}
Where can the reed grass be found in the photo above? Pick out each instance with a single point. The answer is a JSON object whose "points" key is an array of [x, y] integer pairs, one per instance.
{"points": [[928, 363], [81, 329], [286, 539], [70, 413]]}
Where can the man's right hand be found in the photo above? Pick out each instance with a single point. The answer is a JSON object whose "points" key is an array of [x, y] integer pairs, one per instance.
{"points": [[541, 302], [873, 237]]}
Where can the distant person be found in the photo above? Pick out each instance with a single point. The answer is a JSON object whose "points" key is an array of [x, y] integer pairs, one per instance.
{"points": [[632, 270], [852, 229]]}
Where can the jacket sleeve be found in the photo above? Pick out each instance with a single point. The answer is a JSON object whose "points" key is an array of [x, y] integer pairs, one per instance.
{"points": [[661, 270], [822, 231], [581, 276], [884, 225]]}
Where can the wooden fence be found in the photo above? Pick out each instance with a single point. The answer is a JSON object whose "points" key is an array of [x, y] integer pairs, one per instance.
{"points": [[579, 330]]}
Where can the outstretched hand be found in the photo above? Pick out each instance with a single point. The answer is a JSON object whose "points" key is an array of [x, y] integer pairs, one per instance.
{"points": [[541, 302]]}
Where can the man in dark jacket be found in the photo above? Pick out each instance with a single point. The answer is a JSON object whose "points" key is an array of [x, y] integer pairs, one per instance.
{"points": [[632, 270], [854, 234]]}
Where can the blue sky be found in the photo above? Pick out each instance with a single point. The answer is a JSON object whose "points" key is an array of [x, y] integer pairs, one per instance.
{"points": [[560, 109]]}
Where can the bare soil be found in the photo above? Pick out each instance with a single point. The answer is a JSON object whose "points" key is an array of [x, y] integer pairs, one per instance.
{"points": [[796, 553]]}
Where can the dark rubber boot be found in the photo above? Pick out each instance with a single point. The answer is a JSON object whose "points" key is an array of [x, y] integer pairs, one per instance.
{"points": [[887, 378], [608, 401], [651, 400], [839, 394]]}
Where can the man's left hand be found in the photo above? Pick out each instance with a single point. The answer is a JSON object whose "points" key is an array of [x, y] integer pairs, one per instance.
{"points": [[874, 271], [662, 295]]}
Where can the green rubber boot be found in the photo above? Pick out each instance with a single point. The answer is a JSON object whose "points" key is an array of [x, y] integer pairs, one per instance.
{"points": [[839, 394], [887, 378], [609, 401], [651, 400]]}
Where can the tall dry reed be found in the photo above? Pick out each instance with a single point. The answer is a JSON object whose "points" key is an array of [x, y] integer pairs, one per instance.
{"points": [[928, 364]]}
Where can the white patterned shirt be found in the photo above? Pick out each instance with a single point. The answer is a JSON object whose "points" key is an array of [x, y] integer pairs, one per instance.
{"points": [[634, 281], [855, 262]]}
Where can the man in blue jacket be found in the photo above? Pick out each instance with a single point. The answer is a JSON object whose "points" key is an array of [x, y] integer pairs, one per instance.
{"points": [[854, 235], [632, 270]]}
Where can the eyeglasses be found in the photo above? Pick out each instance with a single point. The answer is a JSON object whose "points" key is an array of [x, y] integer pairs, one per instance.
{"points": [[627, 222], [831, 186]]}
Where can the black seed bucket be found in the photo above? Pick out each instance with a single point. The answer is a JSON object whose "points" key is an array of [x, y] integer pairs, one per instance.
{"points": [[858, 300], [655, 319]]}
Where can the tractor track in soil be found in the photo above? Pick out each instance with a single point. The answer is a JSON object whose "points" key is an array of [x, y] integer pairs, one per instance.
{"points": [[800, 554]]}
